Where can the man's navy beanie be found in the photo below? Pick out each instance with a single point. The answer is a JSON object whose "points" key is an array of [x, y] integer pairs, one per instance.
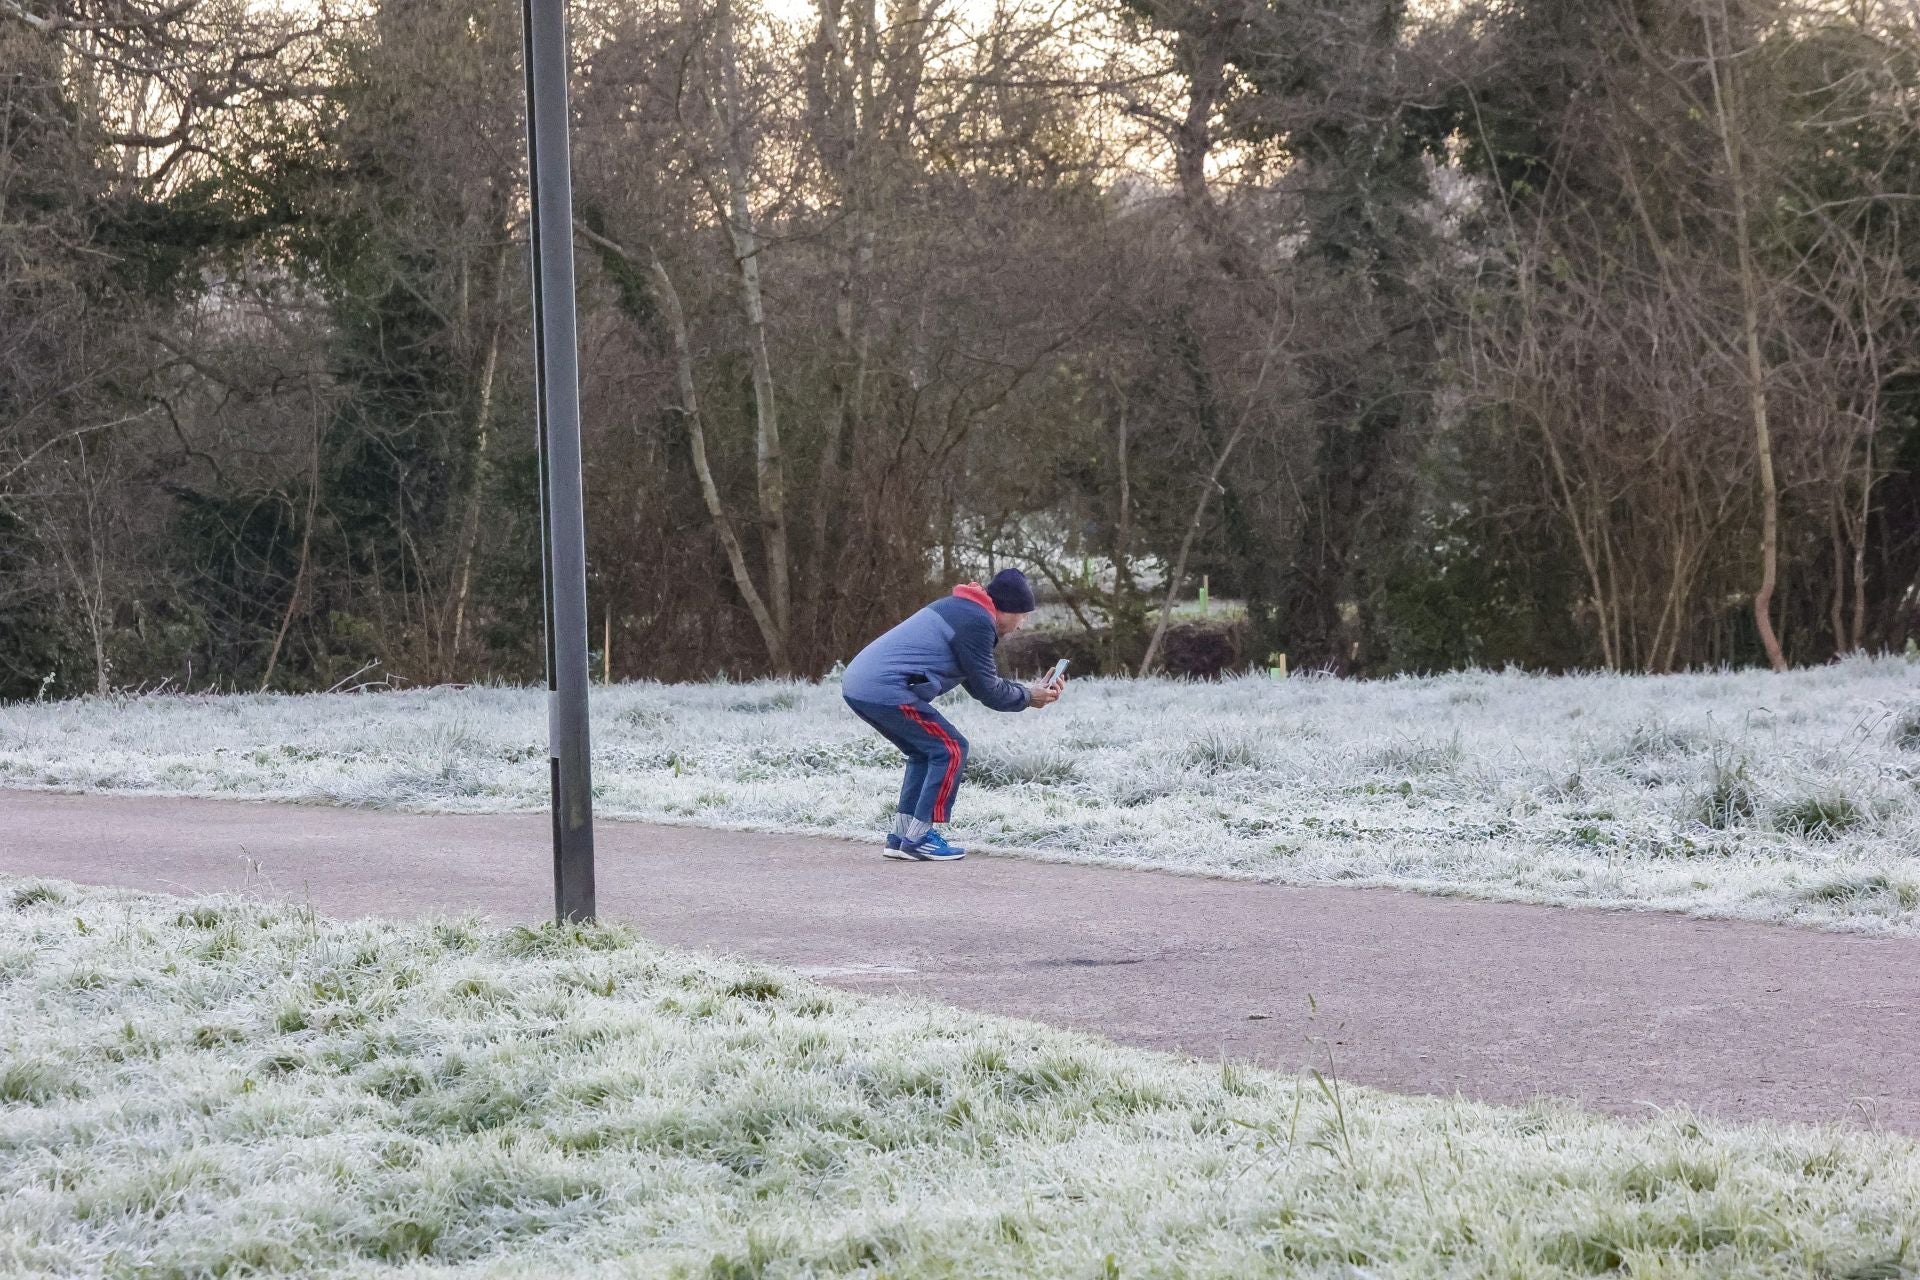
{"points": [[1010, 592]]}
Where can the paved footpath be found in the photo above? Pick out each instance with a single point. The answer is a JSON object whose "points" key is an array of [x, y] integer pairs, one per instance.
{"points": [[1620, 1011]]}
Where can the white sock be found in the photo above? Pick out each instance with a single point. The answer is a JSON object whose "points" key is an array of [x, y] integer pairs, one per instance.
{"points": [[902, 822], [916, 830]]}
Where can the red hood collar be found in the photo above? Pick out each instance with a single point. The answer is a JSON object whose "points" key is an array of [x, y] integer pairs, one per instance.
{"points": [[978, 594]]}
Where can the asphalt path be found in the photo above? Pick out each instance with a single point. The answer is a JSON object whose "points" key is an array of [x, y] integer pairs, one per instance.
{"points": [[1622, 1012]]}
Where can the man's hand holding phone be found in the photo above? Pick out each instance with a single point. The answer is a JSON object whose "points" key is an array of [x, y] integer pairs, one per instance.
{"points": [[1045, 692]]}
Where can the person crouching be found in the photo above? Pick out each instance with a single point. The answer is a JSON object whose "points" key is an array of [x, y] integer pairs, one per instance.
{"points": [[891, 684]]}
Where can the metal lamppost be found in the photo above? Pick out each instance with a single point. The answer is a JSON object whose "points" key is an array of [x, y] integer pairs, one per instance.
{"points": [[563, 538]]}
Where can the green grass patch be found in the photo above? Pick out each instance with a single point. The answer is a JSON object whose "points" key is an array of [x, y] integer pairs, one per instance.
{"points": [[1865, 889], [33, 894], [1904, 732], [1418, 757], [1015, 768], [1222, 752], [1822, 817], [1727, 798], [577, 1102]]}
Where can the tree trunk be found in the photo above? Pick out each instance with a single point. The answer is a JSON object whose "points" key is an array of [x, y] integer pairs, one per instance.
{"points": [[1723, 90], [1836, 599], [306, 551], [674, 318], [1179, 573], [1123, 533], [1858, 638], [96, 599], [770, 465], [1125, 609], [1582, 541], [840, 65], [89, 580], [770, 632], [849, 380], [470, 518], [1769, 487], [1192, 145]]}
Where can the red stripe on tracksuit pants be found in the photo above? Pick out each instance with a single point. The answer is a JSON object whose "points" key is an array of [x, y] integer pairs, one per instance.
{"points": [[956, 760]]}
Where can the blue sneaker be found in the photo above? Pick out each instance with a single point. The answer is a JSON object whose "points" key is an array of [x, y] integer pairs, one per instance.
{"points": [[932, 847]]}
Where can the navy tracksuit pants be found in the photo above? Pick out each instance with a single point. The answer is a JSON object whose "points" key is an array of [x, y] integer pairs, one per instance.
{"points": [[936, 754]]}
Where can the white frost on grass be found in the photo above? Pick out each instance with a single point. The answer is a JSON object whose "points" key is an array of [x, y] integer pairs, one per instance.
{"points": [[218, 1087], [1740, 794]]}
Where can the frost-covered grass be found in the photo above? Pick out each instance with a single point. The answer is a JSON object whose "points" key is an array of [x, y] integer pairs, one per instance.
{"points": [[1742, 794], [218, 1087]]}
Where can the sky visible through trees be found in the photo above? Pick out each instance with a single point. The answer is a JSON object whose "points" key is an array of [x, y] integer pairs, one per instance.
{"points": [[1565, 337]]}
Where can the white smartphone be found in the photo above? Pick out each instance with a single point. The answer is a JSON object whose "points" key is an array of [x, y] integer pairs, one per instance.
{"points": [[1058, 673]]}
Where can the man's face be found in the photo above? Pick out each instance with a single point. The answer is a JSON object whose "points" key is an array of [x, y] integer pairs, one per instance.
{"points": [[1008, 623]]}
